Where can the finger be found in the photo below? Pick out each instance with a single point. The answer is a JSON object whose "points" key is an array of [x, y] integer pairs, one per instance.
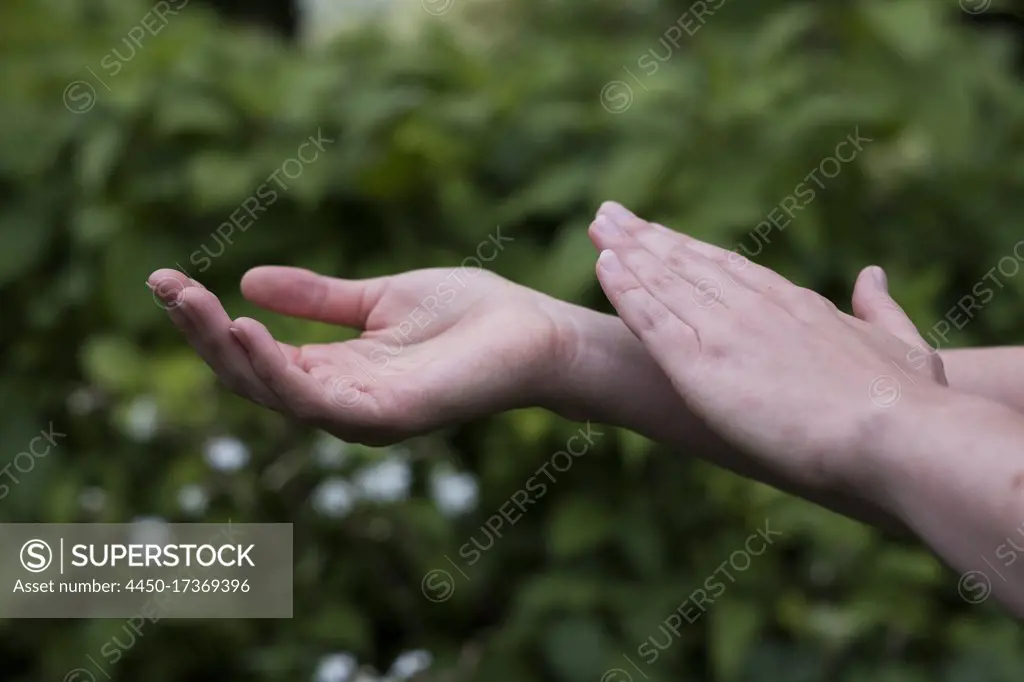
{"points": [[757, 277], [616, 212], [803, 303], [670, 247], [685, 281], [201, 318], [733, 267], [873, 304], [168, 287], [665, 335], [738, 269], [298, 392], [303, 293]]}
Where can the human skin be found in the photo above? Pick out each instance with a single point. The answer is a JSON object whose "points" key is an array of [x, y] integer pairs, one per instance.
{"points": [[789, 380], [487, 345], [439, 346], [987, 372]]}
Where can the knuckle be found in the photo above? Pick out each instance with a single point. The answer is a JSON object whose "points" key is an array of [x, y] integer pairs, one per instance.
{"points": [[656, 317], [810, 299], [662, 281], [723, 263], [626, 295], [808, 295], [677, 259], [734, 259], [652, 316]]}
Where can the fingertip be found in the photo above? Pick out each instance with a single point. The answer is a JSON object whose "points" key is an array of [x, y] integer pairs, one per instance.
{"points": [[245, 329], [877, 275], [862, 293], [258, 280], [865, 278], [609, 262], [873, 277], [264, 352], [170, 287], [167, 274], [249, 281], [595, 235], [615, 211], [286, 290], [871, 282], [243, 338]]}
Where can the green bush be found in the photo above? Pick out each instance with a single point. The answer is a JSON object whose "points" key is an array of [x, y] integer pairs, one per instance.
{"points": [[525, 117]]}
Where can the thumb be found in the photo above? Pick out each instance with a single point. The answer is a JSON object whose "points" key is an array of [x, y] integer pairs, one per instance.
{"points": [[873, 304], [304, 293]]}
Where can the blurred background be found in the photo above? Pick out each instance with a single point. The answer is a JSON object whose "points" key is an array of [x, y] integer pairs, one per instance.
{"points": [[131, 130]]}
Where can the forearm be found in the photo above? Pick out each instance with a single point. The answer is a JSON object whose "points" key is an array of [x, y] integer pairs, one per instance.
{"points": [[951, 467], [994, 373], [611, 378]]}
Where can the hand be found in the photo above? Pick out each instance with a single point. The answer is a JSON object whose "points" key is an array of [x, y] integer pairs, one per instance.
{"points": [[438, 346], [775, 369]]}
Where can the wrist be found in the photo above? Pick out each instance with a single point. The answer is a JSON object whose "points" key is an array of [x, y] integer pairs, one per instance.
{"points": [[603, 373], [901, 444], [580, 359], [577, 340]]}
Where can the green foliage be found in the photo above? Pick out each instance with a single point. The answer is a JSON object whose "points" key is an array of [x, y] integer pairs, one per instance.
{"points": [[437, 139]]}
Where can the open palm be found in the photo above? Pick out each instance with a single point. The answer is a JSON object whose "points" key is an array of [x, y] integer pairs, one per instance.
{"points": [[438, 346]]}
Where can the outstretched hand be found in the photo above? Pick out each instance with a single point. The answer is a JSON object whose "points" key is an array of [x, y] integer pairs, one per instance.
{"points": [[772, 367], [438, 346]]}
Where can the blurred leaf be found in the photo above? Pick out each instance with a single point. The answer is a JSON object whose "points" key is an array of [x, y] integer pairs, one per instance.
{"points": [[575, 649], [113, 362], [578, 525], [26, 230], [735, 627]]}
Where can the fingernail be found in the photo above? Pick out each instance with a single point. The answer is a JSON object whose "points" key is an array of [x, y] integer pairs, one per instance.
{"points": [[606, 227], [615, 212], [609, 262], [880, 278]]}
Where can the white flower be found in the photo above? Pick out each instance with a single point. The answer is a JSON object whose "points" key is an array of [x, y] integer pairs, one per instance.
{"points": [[335, 668], [141, 419], [84, 400], [385, 481], [226, 454], [92, 499], [334, 498], [193, 499], [453, 492], [150, 530], [410, 663]]}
